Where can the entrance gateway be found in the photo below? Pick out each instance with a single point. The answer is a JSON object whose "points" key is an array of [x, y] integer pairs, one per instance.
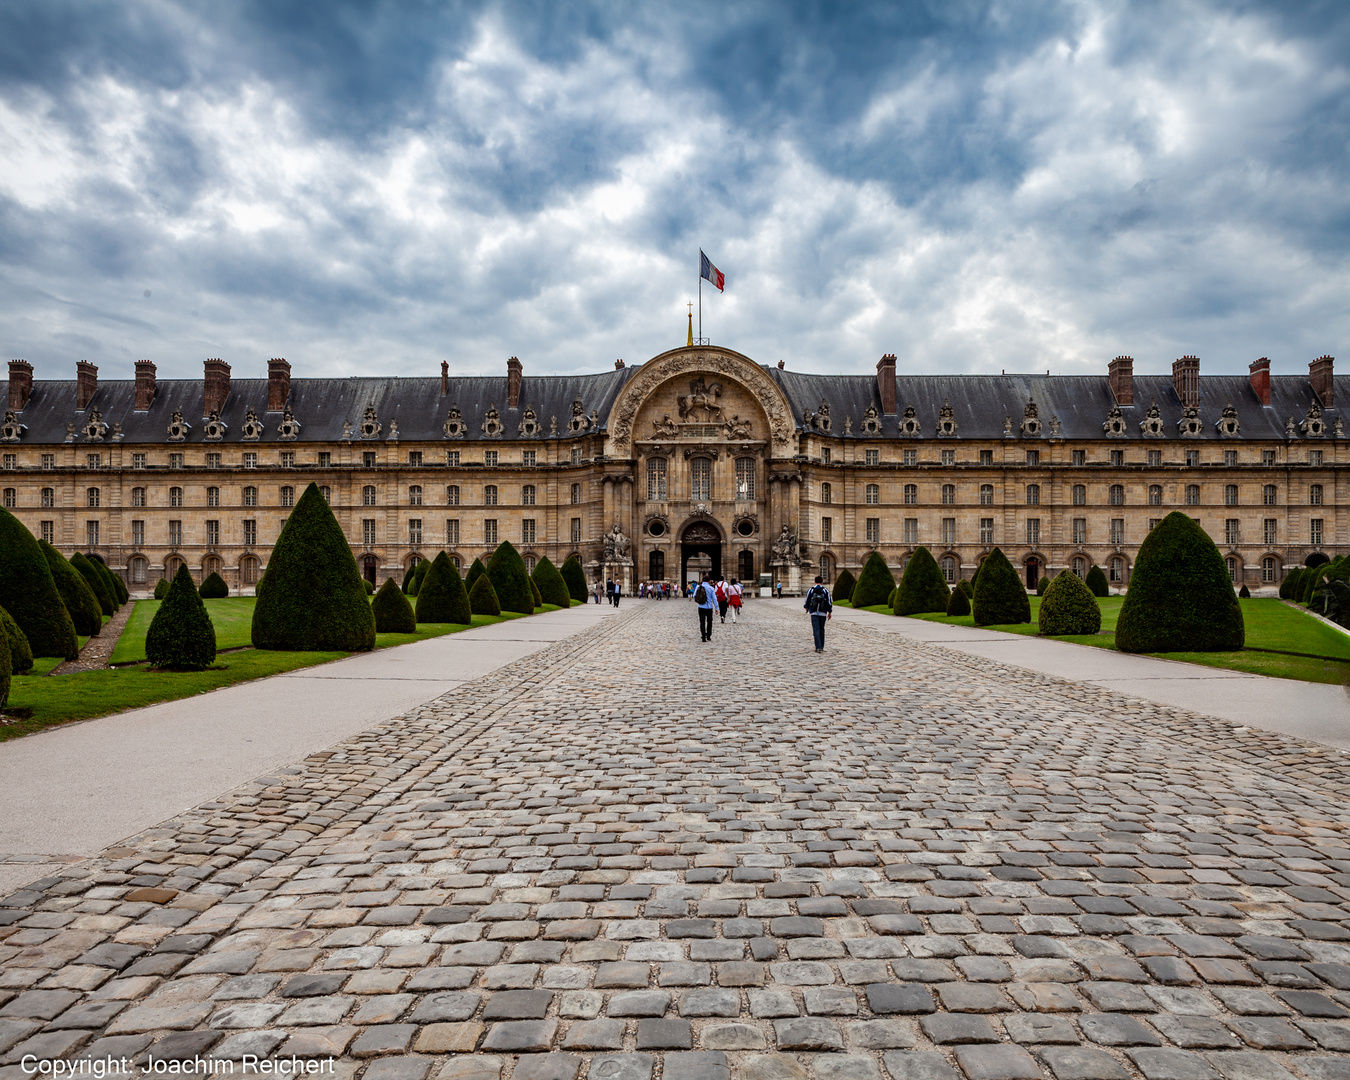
{"points": [[700, 553]]}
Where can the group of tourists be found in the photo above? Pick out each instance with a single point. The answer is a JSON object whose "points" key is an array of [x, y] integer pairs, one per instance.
{"points": [[656, 590], [720, 596]]}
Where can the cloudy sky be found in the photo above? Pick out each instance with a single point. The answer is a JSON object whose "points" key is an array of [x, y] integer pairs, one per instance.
{"points": [[375, 187]]}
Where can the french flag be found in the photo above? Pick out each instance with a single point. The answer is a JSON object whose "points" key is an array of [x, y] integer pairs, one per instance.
{"points": [[707, 270]]}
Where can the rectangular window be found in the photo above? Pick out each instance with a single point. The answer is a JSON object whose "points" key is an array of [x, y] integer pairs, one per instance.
{"points": [[1080, 530], [250, 496], [745, 479], [1230, 494], [250, 459], [826, 494], [1155, 494], [1033, 494], [212, 533], [213, 496], [452, 495], [368, 459], [873, 494], [528, 458], [49, 497], [1153, 523], [1155, 458], [576, 530], [415, 531], [826, 530], [1270, 530], [986, 494], [452, 458], [1033, 532], [576, 493], [872, 457], [1269, 495], [288, 496], [948, 494], [490, 495], [1033, 457], [1080, 457], [911, 457], [911, 530], [288, 459], [1192, 494], [1314, 494], [911, 494], [414, 494], [576, 455], [175, 461], [1267, 457], [700, 475], [49, 461], [948, 531], [368, 531], [986, 457], [527, 531], [452, 532], [1230, 531], [415, 459], [213, 460], [490, 457], [1192, 458], [138, 534], [874, 531], [368, 495], [48, 531], [949, 457], [1230, 457], [250, 533], [1079, 494], [175, 496], [175, 534], [1315, 532], [1117, 459], [986, 531], [527, 495], [1117, 494], [325, 459], [11, 498], [1117, 531], [490, 531], [91, 533], [137, 461], [1315, 458], [825, 455], [93, 461]]}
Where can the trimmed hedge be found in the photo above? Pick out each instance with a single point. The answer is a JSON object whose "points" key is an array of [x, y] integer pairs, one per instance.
{"points": [[844, 585], [20, 652], [29, 594], [509, 580], [552, 587], [442, 597], [1180, 598], [575, 576], [959, 603], [162, 589], [314, 600], [95, 579], [1068, 607], [999, 595], [1042, 585], [922, 587], [483, 597], [6, 668], [181, 636], [1096, 581], [76, 593], [874, 583], [476, 570], [393, 614], [213, 588]]}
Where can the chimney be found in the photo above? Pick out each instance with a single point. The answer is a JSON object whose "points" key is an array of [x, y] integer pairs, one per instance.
{"points": [[886, 383], [217, 386], [445, 377], [1186, 379], [278, 384], [618, 365], [86, 382], [1319, 374], [145, 384], [20, 384], [1259, 373], [514, 374], [1121, 377]]}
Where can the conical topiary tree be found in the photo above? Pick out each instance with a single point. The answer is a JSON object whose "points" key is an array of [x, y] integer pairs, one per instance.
{"points": [[96, 582], [552, 588], [1180, 598], [844, 585], [20, 653], [419, 575], [510, 581], [476, 570], [442, 597], [314, 599], [958, 603], [75, 592], [1096, 582], [29, 594], [181, 635], [1289, 586], [162, 589], [967, 586], [214, 587], [874, 583], [922, 587], [119, 587], [575, 576], [393, 613], [1042, 585], [483, 597], [1244, 593], [109, 580], [534, 593], [999, 596], [408, 579], [369, 586], [1068, 607]]}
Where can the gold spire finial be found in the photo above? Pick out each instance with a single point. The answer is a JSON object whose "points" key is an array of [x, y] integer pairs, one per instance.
{"points": [[690, 342]]}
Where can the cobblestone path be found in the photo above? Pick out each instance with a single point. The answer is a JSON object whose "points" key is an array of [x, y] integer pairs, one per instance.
{"points": [[635, 855]]}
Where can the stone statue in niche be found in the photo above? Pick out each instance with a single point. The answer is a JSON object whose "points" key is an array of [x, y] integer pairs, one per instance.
{"points": [[785, 548], [617, 545]]}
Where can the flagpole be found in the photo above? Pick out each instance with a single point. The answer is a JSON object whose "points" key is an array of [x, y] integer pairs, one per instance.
{"points": [[700, 299]]}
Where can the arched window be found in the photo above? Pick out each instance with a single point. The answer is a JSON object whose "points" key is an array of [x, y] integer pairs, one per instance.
{"points": [[91, 497], [1269, 569], [248, 570], [137, 497], [1033, 494], [1230, 495], [911, 494], [368, 495], [138, 566], [1117, 494], [288, 496], [745, 478], [948, 494], [527, 495], [1080, 494], [49, 496], [250, 496], [414, 494], [827, 569], [948, 565], [1116, 570], [530, 562], [175, 496], [171, 566], [826, 493], [490, 495], [1232, 565], [454, 559], [1314, 495], [656, 481], [1080, 566], [1269, 497], [873, 494], [986, 494], [452, 495], [1155, 494], [211, 565], [1192, 494], [700, 477]]}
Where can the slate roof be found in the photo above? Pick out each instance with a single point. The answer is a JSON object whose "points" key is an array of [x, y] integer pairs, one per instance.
{"points": [[980, 403]]}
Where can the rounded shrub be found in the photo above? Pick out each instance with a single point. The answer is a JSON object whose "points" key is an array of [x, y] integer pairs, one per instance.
{"points": [[20, 652], [393, 613], [370, 586], [922, 587], [476, 570], [551, 585], [575, 575], [509, 580], [959, 603], [1180, 598], [874, 583], [483, 597], [1068, 607], [162, 589], [96, 582], [999, 595], [314, 600], [181, 636], [844, 585], [76, 593], [1244, 593], [213, 588], [442, 598], [1042, 585], [29, 594], [1096, 581]]}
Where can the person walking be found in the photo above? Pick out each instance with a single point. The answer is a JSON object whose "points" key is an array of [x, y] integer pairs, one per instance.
{"points": [[706, 601], [819, 606], [723, 597], [734, 598]]}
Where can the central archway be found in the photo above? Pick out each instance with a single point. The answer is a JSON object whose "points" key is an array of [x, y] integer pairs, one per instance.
{"points": [[701, 543]]}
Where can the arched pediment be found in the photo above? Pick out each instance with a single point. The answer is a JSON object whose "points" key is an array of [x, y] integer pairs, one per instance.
{"points": [[719, 363]]}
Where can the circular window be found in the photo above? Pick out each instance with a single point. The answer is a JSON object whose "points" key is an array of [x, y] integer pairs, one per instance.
{"points": [[745, 528], [656, 528]]}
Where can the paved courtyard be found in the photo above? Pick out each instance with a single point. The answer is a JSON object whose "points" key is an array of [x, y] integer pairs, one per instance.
{"points": [[632, 856]]}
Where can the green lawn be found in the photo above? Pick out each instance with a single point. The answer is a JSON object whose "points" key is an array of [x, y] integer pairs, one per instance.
{"points": [[232, 617]]}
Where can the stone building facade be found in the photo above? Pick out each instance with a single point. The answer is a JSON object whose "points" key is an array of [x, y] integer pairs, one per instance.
{"points": [[699, 458]]}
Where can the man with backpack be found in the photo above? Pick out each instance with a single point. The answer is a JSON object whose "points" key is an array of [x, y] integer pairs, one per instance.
{"points": [[706, 600], [819, 605]]}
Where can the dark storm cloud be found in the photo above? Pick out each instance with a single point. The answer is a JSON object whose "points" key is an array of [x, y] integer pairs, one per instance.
{"points": [[370, 185]]}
